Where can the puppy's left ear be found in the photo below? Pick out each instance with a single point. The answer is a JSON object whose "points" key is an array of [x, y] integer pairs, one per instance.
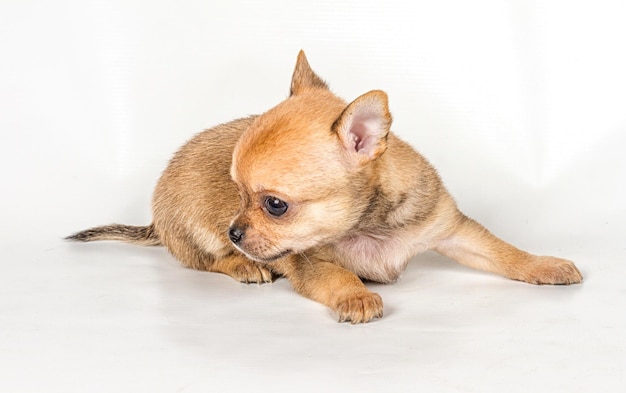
{"points": [[364, 125]]}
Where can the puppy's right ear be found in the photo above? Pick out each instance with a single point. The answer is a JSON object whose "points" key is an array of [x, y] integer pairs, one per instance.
{"points": [[303, 77]]}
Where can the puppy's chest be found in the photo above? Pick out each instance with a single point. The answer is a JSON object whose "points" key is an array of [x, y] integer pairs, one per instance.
{"points": [[376, 257]]}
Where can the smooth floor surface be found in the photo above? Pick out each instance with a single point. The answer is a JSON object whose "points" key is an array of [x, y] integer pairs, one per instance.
{"points": [[114, 317], [519, 105]]}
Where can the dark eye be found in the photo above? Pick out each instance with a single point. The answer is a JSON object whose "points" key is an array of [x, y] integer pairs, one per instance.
{"points": [[275, 206]]}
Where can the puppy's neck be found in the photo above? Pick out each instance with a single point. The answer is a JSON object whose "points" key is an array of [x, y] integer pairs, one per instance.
{"points": [[379, 195], [397, 184]]}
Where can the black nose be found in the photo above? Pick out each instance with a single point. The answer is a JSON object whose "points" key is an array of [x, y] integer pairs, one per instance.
{"points": [[235, 234]]}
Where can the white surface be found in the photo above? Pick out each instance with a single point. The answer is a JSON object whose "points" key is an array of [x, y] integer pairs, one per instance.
{"points": [[520, 105]]}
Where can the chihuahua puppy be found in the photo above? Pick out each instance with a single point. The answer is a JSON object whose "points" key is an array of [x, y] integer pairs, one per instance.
{"points": [[321, 192]]}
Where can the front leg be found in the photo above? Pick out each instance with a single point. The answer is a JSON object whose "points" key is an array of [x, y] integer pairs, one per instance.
{"points": [[331, 285], [471, 244]]}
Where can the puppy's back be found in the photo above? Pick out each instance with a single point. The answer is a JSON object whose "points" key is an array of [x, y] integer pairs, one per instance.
{"points": [[195, 190]]}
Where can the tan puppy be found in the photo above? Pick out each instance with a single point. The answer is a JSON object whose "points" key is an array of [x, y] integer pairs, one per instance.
{"points": [[321, 192]]}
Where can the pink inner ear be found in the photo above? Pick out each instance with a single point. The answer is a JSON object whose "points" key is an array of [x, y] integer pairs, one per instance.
{"points": [[365, 131]]}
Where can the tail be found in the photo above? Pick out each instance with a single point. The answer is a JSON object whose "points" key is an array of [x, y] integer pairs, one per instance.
{"points": [[144, 236]]}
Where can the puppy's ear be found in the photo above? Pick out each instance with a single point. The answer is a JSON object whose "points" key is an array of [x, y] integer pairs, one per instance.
{"points": [[364, 125], [304, 77]]}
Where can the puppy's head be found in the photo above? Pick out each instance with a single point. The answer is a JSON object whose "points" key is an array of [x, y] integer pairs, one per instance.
{"points": [[305, 168]]}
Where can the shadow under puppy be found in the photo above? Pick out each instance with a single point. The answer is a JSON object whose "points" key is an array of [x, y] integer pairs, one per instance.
{"points": [[321, 192]]}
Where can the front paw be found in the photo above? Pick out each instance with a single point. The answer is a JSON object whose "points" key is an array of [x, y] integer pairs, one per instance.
{"points": [[242, 269], [250, 273], [359, 307], [551, 271]]}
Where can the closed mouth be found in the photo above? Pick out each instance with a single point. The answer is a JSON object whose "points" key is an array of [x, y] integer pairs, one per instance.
{"points": [[272, 258], [264, 259]]}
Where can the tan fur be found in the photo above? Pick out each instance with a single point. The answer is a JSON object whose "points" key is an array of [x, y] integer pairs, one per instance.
{"points": [[139, 235], [359, 203]]}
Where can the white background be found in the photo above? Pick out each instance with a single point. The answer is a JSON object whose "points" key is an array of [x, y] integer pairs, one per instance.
{"points": [[520, 105]]}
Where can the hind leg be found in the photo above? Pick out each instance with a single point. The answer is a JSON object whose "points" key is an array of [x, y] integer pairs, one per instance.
{"points": [[472, 245]]}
